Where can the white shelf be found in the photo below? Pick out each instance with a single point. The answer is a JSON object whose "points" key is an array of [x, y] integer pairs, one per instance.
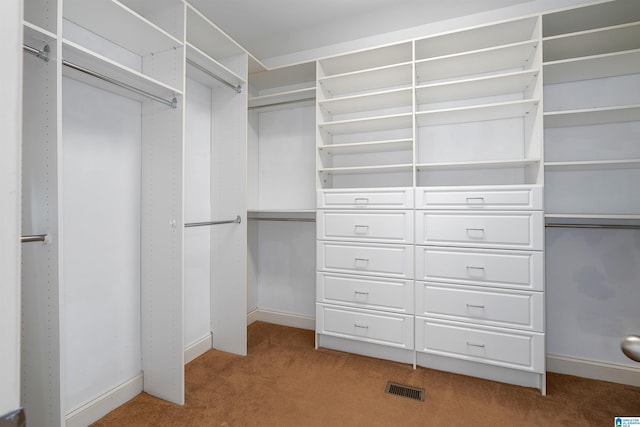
{"points": [[513, 56], [366, 60], [592, 165], [592, 67], [604, 14], [117, 23], [592, 216], [212, 66], [477, 113], [35, 35], [592, 42], [369, 102], [368, 147], [206, 36], [488, 164], [304, 97], [79, 55], [368, 80], [373, 124], [592, 116], [477, 87], [359, 170], [482, 37]]}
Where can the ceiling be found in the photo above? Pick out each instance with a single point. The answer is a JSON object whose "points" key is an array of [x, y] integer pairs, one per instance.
{"points": [[275, 28]]}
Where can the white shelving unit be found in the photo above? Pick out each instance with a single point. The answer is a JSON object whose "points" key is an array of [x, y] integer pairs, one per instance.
{"points": [[591, 147]]}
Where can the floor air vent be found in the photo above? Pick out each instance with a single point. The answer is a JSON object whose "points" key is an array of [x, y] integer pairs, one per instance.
{"points": [[405, 391]]}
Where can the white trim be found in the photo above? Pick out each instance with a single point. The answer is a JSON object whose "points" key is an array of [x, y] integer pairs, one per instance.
{"points": [[281, 318], [595, 370], [103, 404], [198, 348]]}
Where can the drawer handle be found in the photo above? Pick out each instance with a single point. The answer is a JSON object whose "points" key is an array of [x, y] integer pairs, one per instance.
{"points": [[471, 344], [362, 260], [361, 293], [475, 305], [471, 199], [361, 201], [356, 325], [472, 268], [475, 230], [361, 229]]}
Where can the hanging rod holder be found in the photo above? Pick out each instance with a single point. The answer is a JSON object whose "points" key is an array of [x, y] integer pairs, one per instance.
{"points": [[42, 54], [603, 226], [237, 88], [171, 103], [35, 238], [237, 220]]}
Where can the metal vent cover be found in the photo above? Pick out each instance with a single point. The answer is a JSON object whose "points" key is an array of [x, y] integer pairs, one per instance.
{"points": [[401, 390]]}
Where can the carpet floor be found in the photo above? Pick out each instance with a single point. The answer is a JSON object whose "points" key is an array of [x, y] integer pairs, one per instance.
{"points": [[285, 382]]}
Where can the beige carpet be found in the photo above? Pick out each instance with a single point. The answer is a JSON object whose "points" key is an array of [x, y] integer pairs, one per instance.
{"points": [[285, 382]]}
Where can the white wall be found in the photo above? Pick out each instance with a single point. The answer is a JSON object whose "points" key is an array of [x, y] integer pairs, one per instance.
{"points": [[197, 190], [101, 158], [10, 134]]}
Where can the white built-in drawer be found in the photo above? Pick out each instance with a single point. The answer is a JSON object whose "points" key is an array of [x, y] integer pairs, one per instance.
{"points": [[392, 198], [496, 346], [510, 230], [366, 226], [365, 258], [510, 198], [513, 309], [363, 325], [366, 292], [486, 267]]}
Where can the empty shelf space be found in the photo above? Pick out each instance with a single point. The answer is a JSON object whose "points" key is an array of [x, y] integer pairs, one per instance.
{"points": [[367, 80], [592, 116], [592, 67], [366, 60], [514, 56], [206, 36], [592, 42], [117, 23], [482, 164], [368, 147], [476, 87], [369, 102], [477, 113], [359, 170], [592, 165], [373, 124], [283, 98]]}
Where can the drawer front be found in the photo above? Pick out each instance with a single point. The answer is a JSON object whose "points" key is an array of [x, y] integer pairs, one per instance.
{"points": [[365, 292], [393, 198], [513, 309], [368, 259], [512, 198], [502, 347], [373, 226], [380, 328], [512, 230], [485, 267]]}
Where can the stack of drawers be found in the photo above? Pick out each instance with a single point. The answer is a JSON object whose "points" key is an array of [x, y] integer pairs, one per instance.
{"points": [[365, 262], [480, 276]]}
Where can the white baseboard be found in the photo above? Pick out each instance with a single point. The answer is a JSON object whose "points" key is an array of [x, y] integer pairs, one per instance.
{"points": [[198, 348], [595, 370], [102, 405], [280, 318]]}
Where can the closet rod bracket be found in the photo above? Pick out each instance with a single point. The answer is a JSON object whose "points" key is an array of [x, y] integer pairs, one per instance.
{"points": [[42, 54]]}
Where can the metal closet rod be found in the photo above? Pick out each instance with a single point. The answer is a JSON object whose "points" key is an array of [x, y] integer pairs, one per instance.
{"points": [[294, 101], [33, 238], [284, 219], [237, 88], [237, 220], [612, 226], [44, 55]]}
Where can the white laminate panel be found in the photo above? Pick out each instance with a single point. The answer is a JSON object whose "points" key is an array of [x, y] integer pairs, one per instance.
{"points": [[365, 292], [396, 198], [381, 328], [512, 198], [372, 226], [514, 309], [502, 347], [485, 267], [369, 259], [512, 230]]}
